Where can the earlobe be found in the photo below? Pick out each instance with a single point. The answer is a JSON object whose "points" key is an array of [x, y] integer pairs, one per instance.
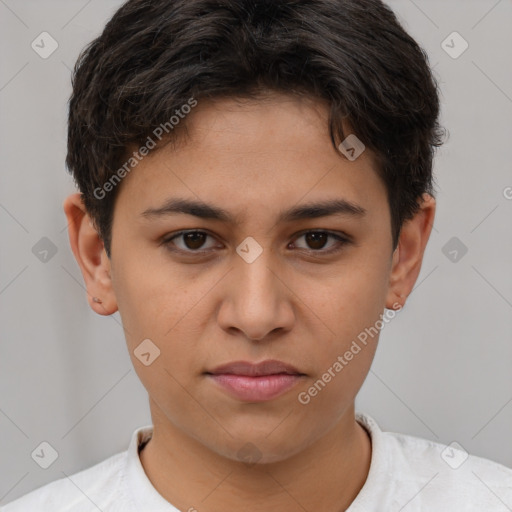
{"points": [[408, 255], [90, 255]]}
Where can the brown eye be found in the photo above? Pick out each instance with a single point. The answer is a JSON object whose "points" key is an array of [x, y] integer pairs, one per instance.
{"points": [[189, 241], [318, 241], [194, 240]]}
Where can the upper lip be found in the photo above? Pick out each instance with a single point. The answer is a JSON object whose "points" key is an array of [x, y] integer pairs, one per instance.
{"points": [[268, 367]]}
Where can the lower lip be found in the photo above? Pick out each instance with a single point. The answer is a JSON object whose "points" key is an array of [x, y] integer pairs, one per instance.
{"points": [[256, 389]]}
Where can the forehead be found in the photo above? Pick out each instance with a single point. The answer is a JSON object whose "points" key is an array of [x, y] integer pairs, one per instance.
{"points": [[251, 154]]}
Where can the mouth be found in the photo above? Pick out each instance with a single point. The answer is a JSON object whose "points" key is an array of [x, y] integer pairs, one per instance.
{"points": [[252, 382]]}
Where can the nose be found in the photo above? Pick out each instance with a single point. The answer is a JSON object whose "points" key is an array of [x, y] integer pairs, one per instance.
{"points": [[256, 300]]}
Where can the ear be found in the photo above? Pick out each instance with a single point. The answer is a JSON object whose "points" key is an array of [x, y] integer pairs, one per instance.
{"points": [[90, 255], [408, 255]]}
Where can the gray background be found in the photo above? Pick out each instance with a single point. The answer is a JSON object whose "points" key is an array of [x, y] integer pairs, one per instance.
{"points": [[443, 369]]}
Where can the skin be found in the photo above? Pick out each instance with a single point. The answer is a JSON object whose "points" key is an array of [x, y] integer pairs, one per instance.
{"points": [[294, 303]]}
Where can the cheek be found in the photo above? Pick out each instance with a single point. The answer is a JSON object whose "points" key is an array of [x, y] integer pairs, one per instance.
{"points": [[342, 361], [167, 310], [151, 297], [367, 281], [351, 299], [325, 400], [351, 304]]}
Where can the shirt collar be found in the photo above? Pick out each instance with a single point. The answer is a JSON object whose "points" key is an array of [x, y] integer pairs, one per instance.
{"points": [[138, 486], [376, 491]]}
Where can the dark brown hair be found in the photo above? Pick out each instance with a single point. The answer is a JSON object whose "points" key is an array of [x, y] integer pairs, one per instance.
{"points": [[154, 55]]}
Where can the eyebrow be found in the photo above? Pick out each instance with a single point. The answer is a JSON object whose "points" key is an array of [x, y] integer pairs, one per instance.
{"points": [[204, 210]]}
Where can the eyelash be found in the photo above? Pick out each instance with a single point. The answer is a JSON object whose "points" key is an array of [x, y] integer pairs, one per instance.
{"points": [[342, 241]]}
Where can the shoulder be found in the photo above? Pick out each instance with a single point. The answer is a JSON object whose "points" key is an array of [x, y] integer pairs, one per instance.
{"points": [[435, 475], [88, 490], [451, 472]]}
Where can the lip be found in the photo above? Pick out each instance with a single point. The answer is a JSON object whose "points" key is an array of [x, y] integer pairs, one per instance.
{"points": [[256, 382], [246, 368]]}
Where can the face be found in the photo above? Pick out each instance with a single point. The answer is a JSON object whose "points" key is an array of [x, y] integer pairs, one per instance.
{"points": [[253, 239]]}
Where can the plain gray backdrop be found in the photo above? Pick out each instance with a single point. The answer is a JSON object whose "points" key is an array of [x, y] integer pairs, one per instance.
{"points": [[443, 370]]}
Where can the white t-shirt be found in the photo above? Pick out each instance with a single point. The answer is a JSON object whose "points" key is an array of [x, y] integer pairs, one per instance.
{"points": [[406, 474]]}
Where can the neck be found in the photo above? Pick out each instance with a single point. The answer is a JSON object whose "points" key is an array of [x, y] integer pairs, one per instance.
{"points": [[325, 476]]}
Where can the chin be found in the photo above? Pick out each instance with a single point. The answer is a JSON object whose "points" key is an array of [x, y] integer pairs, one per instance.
{"points": [[261, 451]]}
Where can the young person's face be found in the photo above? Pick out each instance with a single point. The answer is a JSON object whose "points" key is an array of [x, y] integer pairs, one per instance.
{"points": [[302, 301]]}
